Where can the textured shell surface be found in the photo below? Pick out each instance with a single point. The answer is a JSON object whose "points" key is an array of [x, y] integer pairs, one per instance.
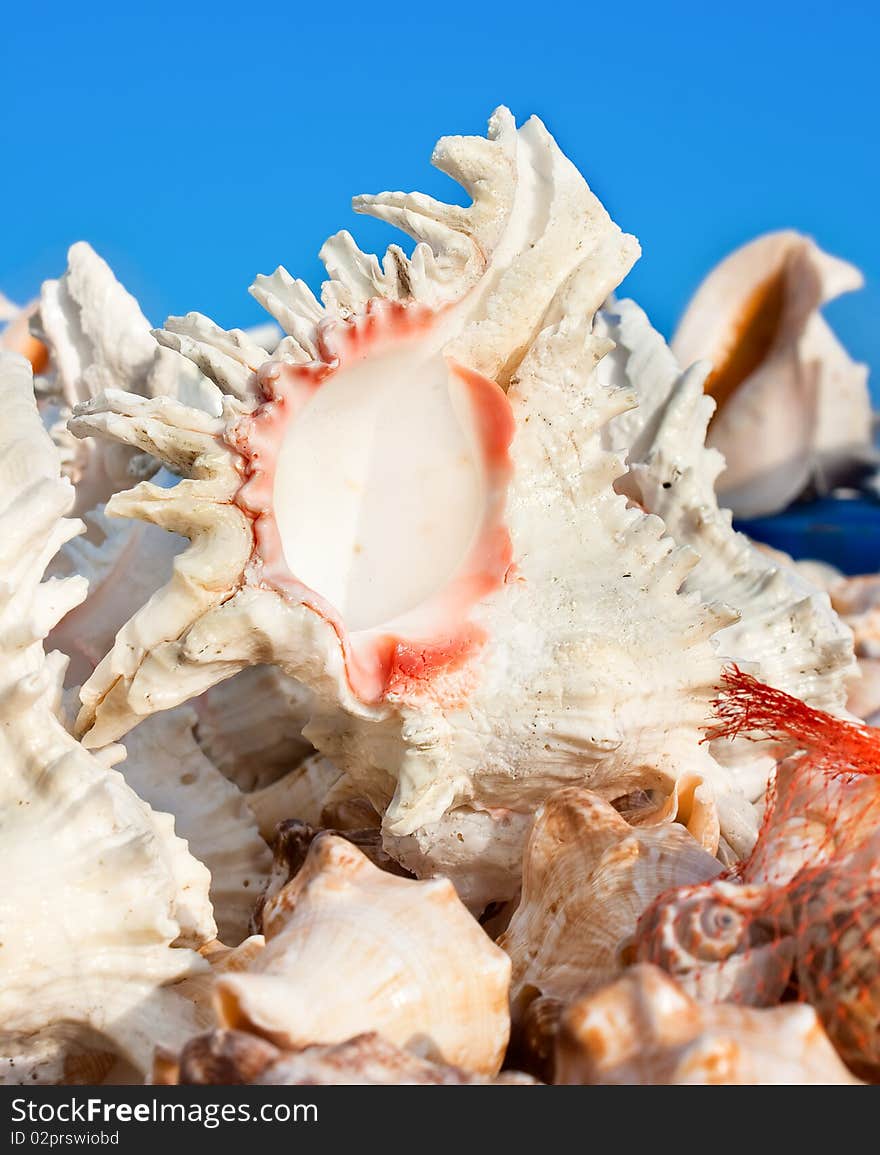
{"points": [[836, 915], [793, 408], [236, 1057], [722, 941], [251, 726], [101, 901], [166, 767], [857, 600], [479, 617], [644, 1030], [307, 792], [588, 876], [350, 948], [787, 632], [97, 338]]}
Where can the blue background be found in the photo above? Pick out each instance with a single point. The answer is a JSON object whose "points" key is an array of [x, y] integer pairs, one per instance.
{"points": [[195, 146]]}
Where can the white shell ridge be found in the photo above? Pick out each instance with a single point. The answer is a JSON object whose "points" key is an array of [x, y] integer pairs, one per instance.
{"points": [[100, 899], [787, 632], [511, 625]]}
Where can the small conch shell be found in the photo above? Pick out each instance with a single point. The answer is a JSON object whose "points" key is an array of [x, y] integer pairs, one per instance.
{"points": [[644, 1030], [587, 878], [792, 407], [350, 948]]}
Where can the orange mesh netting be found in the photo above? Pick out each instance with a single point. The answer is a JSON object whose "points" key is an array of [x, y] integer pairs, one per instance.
{"points": [[800, 917]]}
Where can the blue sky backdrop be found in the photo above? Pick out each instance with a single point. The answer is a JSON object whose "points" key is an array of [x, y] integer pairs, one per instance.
{"points": [[199, 144]]}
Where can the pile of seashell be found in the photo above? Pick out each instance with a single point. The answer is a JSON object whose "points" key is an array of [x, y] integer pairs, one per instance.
{"points": [[358, 676]]}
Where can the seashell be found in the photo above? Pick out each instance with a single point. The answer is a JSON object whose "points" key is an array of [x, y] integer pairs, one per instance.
{"points": [[787, 631], [837, 933], [816, 816], [350, 948], [95, 932], [792, 409], [857, 600], [644, 1030], [542, 639], [166, 767], [237, 1058], [292, 842], [721, 941], [307, 793], [251, 726], [16, 337], [98, 339], [587, 878]]}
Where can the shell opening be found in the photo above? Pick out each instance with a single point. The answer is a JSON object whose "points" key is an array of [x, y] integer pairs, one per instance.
{"points": [[379, 479], [753, 336], [381, 487]]}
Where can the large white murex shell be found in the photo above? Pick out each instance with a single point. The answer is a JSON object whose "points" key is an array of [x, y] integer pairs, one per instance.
{"points": [[447, 677]]}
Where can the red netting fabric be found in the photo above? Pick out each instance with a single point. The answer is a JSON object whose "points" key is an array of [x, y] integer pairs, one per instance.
{"points": [[800, 917]]}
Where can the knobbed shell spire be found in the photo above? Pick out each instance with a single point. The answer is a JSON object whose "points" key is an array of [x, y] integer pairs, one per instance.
{"points": [[101, 901], [588, 877], [793, 408], [410, 510], [350, 948]]}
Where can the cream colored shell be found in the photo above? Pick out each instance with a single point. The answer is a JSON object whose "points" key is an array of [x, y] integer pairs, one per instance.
{"points": [[643, 1030], [168, 769], [794, 409], [595, 669], [350, 948], [588, 876], [101, 901]]}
